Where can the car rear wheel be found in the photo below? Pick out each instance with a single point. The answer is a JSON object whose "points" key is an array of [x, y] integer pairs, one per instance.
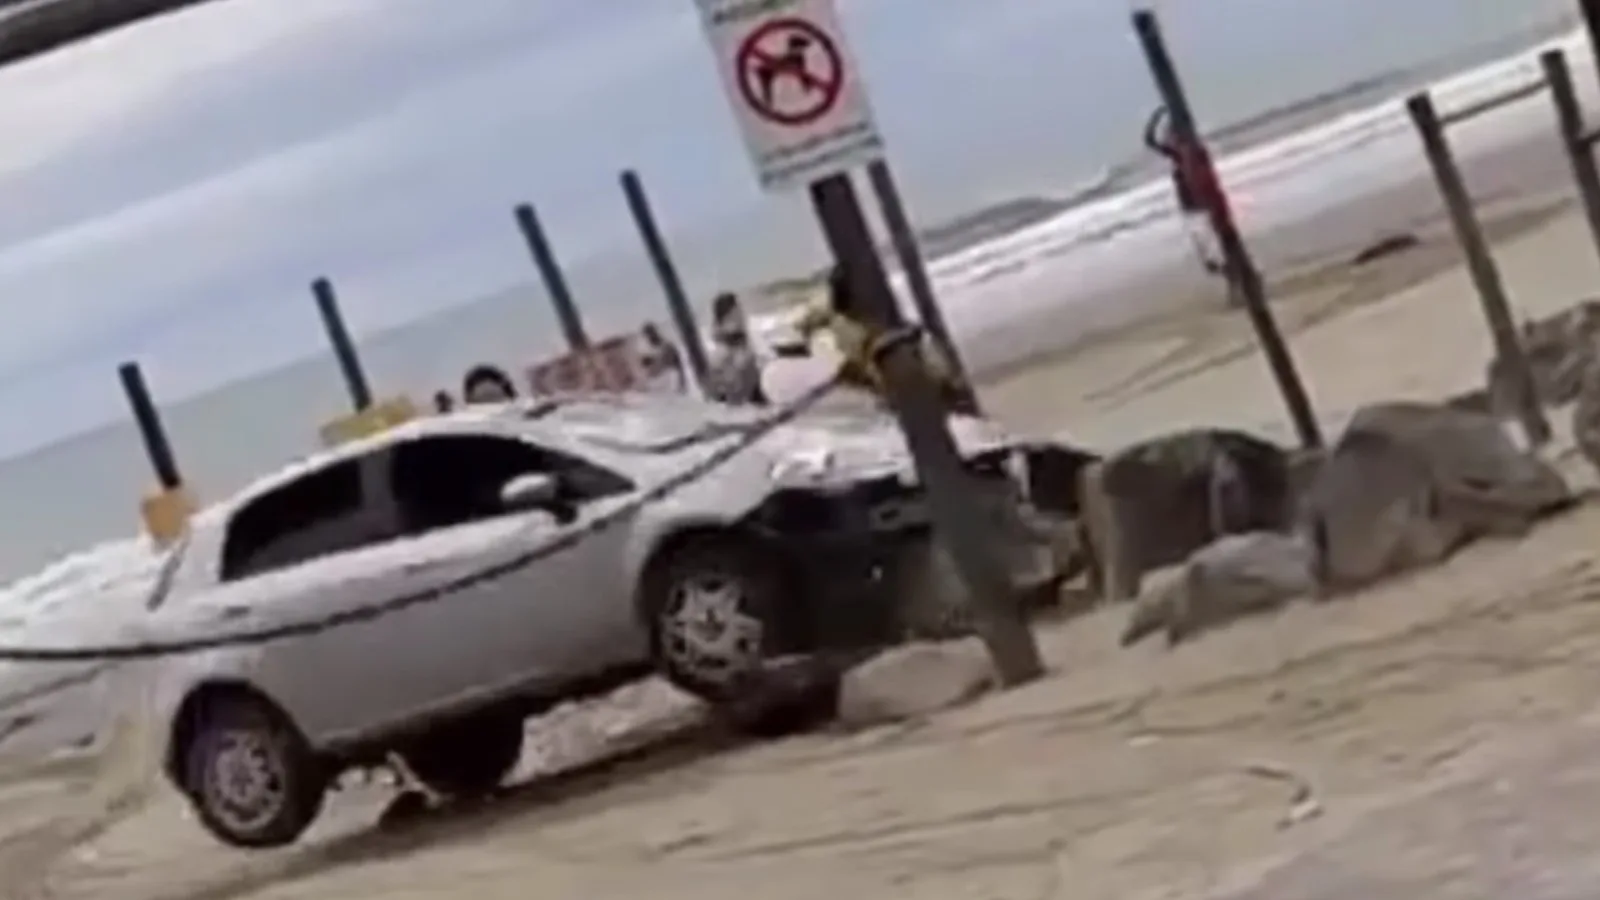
{"points": [[713, 605], [252, 779], [470, 758]]}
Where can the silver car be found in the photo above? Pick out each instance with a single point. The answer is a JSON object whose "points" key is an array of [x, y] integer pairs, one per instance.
{"points": [[521, 555]]}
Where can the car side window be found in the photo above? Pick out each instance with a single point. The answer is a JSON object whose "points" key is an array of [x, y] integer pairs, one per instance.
{"points": [[318, 514], [447, 480]]}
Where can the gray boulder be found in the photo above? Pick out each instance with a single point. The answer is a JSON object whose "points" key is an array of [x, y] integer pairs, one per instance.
{"points": [[913, 681], [1152, 504], [1409, 483], [1233, 577], [1404, 487]]}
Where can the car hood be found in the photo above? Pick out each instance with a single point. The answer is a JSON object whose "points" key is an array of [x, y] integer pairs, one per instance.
{"points": [[825, 447]]}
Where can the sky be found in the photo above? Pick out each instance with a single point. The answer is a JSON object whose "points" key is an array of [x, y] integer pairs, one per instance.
{"points": [[168, 191]]}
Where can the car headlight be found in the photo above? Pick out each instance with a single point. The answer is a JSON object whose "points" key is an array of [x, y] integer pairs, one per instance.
{"points": [[803, 466]]}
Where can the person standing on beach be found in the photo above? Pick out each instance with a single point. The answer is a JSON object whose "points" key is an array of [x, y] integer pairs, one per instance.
{"points": [[1190, 183], [735, 373], [660, 360]]}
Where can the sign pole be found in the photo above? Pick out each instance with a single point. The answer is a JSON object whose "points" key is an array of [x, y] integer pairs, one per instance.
{"points": [[1242, 271], [958, 516], [904, 238], [804, 116]]}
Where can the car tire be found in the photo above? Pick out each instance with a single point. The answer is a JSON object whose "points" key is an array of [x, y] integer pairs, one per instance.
{"points": [[713, 605], [253, 781], [470, 758]]}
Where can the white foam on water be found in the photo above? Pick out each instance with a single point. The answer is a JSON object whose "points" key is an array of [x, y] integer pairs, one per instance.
{"points": [[1278, 189], [1086, 254]]}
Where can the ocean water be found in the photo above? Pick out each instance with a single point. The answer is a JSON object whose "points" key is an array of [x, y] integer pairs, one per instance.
{"points": [[1292, 167]]}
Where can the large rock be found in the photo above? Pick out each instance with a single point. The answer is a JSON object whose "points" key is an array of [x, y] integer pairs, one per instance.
{"points": [[1408, 483], [1404, 487], [1154, 503], [913, 681], [1231, 578]]}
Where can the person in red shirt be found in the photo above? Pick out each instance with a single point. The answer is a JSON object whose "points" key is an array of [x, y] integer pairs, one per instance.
{"points": [[1192, 181]]}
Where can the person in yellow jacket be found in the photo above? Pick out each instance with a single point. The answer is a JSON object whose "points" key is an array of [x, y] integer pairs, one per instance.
{"points": [[854, 339]]}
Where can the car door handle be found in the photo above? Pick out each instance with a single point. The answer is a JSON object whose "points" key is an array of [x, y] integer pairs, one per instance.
{"points": [[421, 568]]}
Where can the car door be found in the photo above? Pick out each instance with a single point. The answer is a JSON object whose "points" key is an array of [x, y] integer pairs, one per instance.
{"points": [[314, 548], [516, 579]]}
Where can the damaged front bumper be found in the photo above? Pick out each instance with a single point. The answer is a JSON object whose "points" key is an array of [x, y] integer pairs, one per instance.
{"points": [[865, 569]]}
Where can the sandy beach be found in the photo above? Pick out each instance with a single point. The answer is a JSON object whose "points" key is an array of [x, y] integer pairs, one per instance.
{"points": [[1429, 734]]}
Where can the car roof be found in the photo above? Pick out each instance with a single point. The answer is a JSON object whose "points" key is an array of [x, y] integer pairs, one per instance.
{"points": [[638, 422], [605, 422]]}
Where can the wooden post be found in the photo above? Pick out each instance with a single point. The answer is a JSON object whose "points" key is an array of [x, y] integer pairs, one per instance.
{"points": [[904, 238], [683, 317], [344, 349], [555, 281], [1569, 119], [1241, 268], [1481, 266], [958, 518]]}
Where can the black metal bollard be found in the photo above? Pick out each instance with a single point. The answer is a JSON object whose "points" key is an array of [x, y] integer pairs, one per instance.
{"points": [[157, 448], [683, 317], [344, 349], [555, 281]]}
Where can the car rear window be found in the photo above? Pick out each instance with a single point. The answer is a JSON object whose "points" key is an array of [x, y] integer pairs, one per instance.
{"points": [[311, 516]]}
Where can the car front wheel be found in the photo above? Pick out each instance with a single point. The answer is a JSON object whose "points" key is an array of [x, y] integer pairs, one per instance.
{"points": [[713, 604], [252, 780]]}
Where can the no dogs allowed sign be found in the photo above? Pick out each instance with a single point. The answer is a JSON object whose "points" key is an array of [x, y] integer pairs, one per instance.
{"points": [[794, 88]]}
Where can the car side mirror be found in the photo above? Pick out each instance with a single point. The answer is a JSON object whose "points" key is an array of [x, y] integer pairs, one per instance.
{"points": [[529, 491]]}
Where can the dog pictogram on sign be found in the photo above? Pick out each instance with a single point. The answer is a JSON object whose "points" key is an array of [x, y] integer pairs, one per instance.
{"points": [[794, 88], [790, 72]]}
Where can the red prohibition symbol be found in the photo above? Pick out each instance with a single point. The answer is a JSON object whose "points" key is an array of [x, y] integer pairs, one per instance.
{"points": [[795, 54]]}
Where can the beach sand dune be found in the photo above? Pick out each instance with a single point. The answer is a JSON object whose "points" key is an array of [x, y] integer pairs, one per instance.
{"points": [[1436, 732]]}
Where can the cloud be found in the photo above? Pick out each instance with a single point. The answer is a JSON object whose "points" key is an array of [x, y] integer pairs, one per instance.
{"points": [[339, 142], [68, 96]]}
